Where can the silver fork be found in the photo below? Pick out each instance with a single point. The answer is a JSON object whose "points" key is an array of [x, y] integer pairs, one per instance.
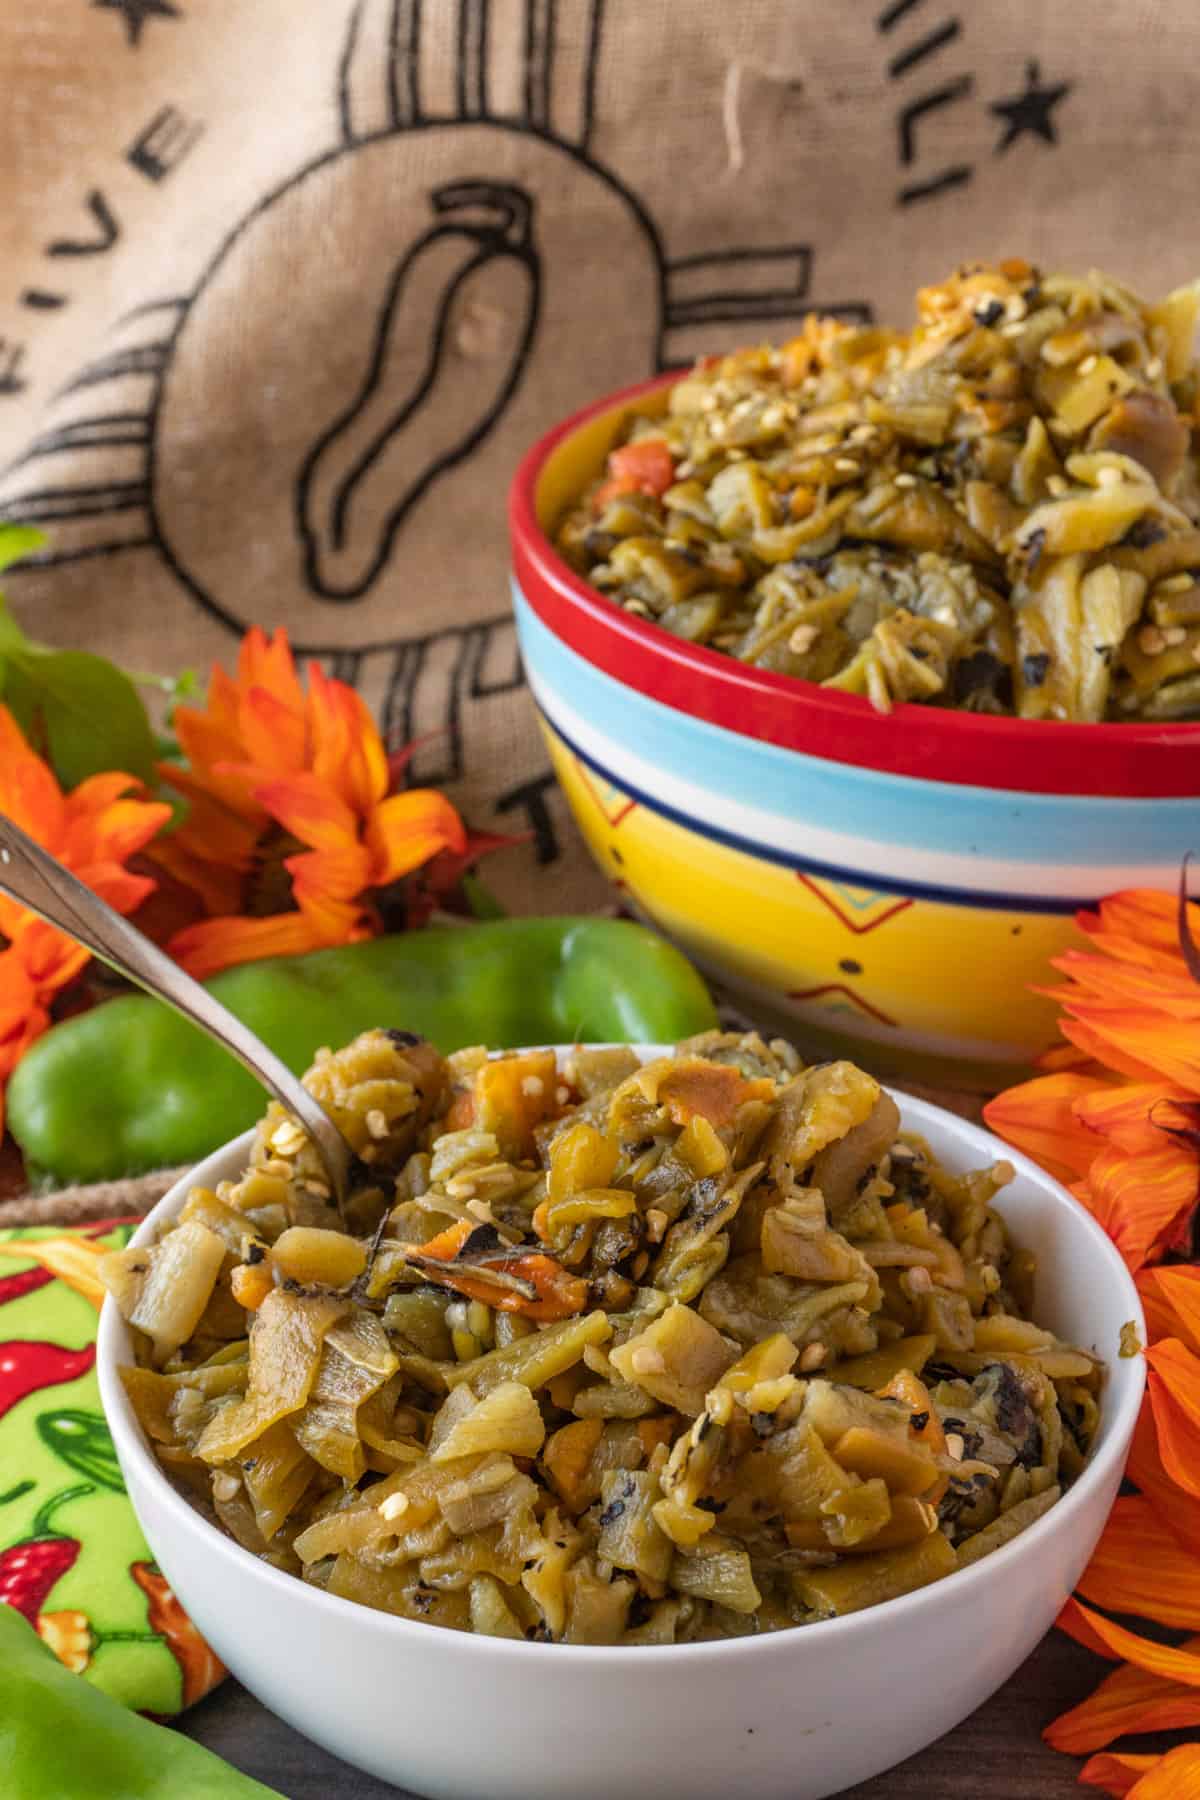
{"points": [[33, 878]]}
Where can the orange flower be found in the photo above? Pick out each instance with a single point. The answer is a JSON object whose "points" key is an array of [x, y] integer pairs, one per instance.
{"points": [[291, 828], [94, 830], [1117, 1116], [1126, 1146]]}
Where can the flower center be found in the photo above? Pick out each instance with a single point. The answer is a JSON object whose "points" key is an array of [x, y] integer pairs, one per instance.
{"points": [[268, 884]]}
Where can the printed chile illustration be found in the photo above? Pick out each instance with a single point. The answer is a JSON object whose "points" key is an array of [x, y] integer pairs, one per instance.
{"points": [[82, 1440], [27, 1365], [199, 1667], [25, 1281], [468, 290], [30, 1569]]}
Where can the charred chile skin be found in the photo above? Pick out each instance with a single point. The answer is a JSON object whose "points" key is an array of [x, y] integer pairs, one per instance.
{"points": [[132, 1086]]}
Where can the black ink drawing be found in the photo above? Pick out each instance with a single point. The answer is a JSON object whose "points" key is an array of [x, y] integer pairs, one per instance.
{"points": [[914, 112], [1030, 111], [136, 12], [107, 232], [455, 344], [399, 442], [469, 270]]}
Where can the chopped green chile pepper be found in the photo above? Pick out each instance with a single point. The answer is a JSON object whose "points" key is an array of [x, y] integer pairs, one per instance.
{"points": [[132, 1086], [61, 1736]]}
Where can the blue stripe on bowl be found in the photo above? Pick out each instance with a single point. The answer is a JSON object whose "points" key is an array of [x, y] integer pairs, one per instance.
{"points": [[879, 883], [1061, 830]]}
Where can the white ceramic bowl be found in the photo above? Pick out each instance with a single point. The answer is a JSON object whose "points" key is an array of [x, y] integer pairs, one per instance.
{"points": [[793, 1715]]}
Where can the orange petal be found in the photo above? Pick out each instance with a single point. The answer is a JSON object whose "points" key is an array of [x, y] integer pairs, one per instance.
{"points": [[1140, 1566], [1099, 979], [99, 791], [1145, 1469], [1173, 1383], [1143, 1040], [51, 959], [406, 830], [123, 891], [215, 766], [1172, 1663], [210, 831], [340, 874], [220, 709], [1128, 1700], [1100, 1048], [336, 921], [114, 833], [1143, 917], [1116, 1774], [268, 663], [1173, 1776], [216, 944], [310, 809], [1141, 1200], [272, 732], [1039, 1117], [346, 748], [1075, 1621], [1171, 1297], [219, 888], [1133, 1116], [29, 792]]}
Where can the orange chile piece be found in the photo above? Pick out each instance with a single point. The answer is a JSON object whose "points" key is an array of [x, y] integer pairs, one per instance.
{"points": [[558, 1294], [715, 1091], [911, 1390], [646, 467]]}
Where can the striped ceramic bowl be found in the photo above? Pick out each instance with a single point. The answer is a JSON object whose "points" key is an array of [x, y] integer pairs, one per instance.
{"points": [[887, 884]]}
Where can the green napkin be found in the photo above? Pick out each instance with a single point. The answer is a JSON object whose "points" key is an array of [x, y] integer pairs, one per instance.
{"points": [[73, 1560], [60, 1738]]}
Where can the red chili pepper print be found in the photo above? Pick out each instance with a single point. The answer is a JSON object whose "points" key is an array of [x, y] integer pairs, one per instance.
{"points": [[28, 1571], [25, 1281], [27, 1365]]}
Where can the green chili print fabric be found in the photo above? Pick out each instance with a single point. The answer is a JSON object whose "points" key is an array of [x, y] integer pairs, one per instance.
{"points": [[73, 1560]]}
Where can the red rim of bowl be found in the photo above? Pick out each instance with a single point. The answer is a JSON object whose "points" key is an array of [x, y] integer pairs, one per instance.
{"points": [[933, 744]]}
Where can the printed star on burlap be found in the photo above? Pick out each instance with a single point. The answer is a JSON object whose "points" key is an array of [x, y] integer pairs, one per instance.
{"points": [[1031, 110], [136, 12]]}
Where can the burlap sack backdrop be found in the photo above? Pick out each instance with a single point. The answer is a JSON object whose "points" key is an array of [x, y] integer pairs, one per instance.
{"points": [[288, 287]]}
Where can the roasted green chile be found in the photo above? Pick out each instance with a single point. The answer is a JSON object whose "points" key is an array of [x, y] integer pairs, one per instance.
{"points": [[61, 1736], [132, 1086]]}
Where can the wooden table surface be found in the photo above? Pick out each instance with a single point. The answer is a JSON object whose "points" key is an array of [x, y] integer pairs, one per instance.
{"points": [[996, 1754]]}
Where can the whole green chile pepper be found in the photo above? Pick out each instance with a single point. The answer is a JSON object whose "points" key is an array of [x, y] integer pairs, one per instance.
{"points": [[132, 1086], [60, 1737]]}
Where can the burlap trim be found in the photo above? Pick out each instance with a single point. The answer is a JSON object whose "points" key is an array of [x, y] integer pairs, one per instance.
{"points": [[102, 1200]]}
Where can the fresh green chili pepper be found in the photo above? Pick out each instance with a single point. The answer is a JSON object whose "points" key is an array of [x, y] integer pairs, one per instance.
{"points": [[61, 1736], [131, 1085]]}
